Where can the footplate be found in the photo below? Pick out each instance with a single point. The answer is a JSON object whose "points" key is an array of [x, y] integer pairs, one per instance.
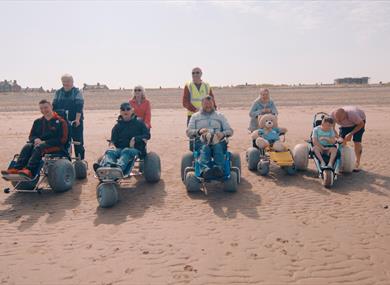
{"points": [[109, 173]]}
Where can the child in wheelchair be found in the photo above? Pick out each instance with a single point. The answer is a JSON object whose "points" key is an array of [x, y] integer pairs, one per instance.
{"points": [[324, 142]]}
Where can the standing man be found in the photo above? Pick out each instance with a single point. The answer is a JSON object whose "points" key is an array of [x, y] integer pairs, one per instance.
{"points": [[352, 121], [69, 103], [194, 92]]}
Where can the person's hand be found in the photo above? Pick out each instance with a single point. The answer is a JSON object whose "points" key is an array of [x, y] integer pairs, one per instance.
{"points": [[76, 123], [348, 137], [220, 135], [266, 110], [37, 141], [132, 142], [203, 131]]}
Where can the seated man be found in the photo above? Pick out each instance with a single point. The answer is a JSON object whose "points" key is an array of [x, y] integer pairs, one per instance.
{"points": [[48, 134], [128, 138], [205, 124], [324, 139]]}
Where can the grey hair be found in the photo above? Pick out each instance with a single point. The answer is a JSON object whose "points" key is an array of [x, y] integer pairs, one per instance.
{"points": [[66, 76], [139, 87]]}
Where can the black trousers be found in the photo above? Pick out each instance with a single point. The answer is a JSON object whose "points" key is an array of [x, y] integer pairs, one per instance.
{"points": [[30, 156], [78, 136]]}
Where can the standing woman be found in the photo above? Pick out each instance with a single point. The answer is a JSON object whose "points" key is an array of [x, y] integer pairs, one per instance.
{"points": [[262, 105], [69, 99], [141, 105]]}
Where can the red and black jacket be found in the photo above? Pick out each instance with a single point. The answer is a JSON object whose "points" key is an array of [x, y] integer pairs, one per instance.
{"points": [[53, 132]]}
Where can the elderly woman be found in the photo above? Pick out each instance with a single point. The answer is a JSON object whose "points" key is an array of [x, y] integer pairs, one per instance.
{"points": [[262, 105], [141, 106]]}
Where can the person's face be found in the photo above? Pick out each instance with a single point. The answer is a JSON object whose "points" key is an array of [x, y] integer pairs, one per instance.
{"points": [[138, 93], [208, 106], [326, 126], [196, 74], [46, 109], [264, 96], [67, 83], [126, 113]]}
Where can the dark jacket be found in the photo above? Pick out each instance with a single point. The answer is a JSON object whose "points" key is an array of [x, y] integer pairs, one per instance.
{"points": [[124, 131], [54, 132], [71, 101]]}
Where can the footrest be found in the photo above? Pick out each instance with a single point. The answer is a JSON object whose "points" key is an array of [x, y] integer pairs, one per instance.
{"points": [[17, 178], [109, 173]]}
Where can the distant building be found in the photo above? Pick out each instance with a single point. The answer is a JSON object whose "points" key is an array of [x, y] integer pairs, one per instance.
{"points": [[351, 80], [98, 86], [36, 90], [9, 86]]}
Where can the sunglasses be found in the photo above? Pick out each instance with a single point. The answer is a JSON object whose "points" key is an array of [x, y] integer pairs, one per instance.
{"points": [[196, 72], [137, 90], [125, 109]]}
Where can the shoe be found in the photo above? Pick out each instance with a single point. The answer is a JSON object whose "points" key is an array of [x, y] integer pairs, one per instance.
{"points": [[323, 165], [25, 172], [10, 171], [96, 166]]}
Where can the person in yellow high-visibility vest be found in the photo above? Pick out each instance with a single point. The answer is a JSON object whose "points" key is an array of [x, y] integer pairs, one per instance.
{"points": [[194, 92]]}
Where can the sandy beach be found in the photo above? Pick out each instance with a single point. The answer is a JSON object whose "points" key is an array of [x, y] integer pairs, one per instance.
{"points": [[274, 230]]}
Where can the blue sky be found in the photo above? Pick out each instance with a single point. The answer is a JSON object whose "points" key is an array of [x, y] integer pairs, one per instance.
{"points": [[157, 43]]}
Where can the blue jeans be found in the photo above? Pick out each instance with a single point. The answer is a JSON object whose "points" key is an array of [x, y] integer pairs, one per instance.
{"points": [[216, 151], [119, 156]]}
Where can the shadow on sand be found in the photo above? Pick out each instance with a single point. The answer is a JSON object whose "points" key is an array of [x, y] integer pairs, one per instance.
{"points": [[134, 201], [28, 208], [228, 205]]}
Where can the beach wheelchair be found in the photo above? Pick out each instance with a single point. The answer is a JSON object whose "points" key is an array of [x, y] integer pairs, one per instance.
{"points": [[344, 161], [191, 170], [260, 159], [57, 171], [145, 164]]}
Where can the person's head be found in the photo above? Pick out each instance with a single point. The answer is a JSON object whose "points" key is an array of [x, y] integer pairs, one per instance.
{"points": [[45, 107], [340, 115], [327, 123], [264, 95], [126, 111], [208, 104], [196, 75], [139, 93], [67, 81]]}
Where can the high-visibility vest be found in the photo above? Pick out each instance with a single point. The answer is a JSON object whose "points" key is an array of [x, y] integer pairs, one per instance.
{"points": [[196, 95]]}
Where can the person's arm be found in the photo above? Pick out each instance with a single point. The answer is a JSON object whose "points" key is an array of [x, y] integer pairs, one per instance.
{"points": [[315, 140], [273, 108], [145, 132], [255, 110], [191, 130], [226, 128], [357, 128], [212, 95], [55, 100], [148, 115], [34, 134], [187, 100], [114, 135], [79, 105]]}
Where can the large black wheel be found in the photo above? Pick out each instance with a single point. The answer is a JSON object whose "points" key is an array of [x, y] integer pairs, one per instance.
{"points": [[152, 167], [107, 194], [231, 185], [192, 182], [80, 168], [252, 157], [61, 175], [327, 178], [187, 160]]}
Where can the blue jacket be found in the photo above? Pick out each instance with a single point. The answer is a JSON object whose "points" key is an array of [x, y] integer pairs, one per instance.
{"points": [[71, 101], [257, 109]]}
